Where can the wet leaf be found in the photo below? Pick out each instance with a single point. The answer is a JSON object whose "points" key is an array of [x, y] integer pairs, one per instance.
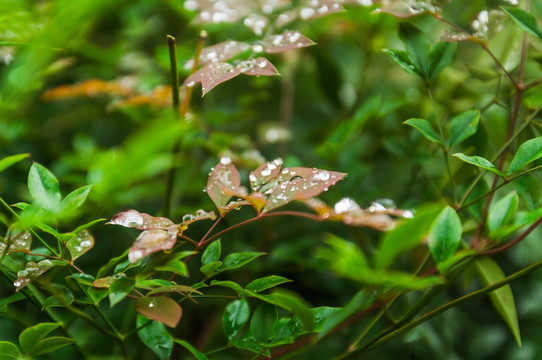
{"points": [[503, 211], [288, 40], [525, 20], [176, 289], [457, 36], [75, 199], [43, 186], [223, 183], [445, 234], [119, 289], [212, 75], [263, 322], [211, 253], [219, 53], [141, 221], [197, 354], [301, 189], [31, 271], [80, 244], [155, 337], [9, 350], [151, 241], [464, 126], [236, 260], [235, 317], [18, 242], [83, 279], [317, 8], [528, 152], [479, 162], [264, 173], [9, 161], [265, 283], [424, 127], [403, 59], [106, 282], [405, 10], [502, 298], [160, 308], [256, 67]]}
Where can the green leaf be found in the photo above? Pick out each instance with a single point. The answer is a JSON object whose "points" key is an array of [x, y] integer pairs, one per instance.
{"points": [[79, 244], [211, 269], [479, 162], [198, 355], [160, 308], [425, 128], [441, 55], [49, 345], [464, 126], [402, 58], [75, 199], [525, 20], [528, 152], [11, 160], [211, 253], [503, 211], [155, 337], [43, 186], [235, 317], [230, 285], [30, 337], [529, 191], [265, 283], [97, 295], [174, 266], [263, 322], [9, 350], [417, 45], [236, 260], [502, 298], [445, 234], [174, 289], [119, 289], [292, 302], [359, 302], [111, 264]]}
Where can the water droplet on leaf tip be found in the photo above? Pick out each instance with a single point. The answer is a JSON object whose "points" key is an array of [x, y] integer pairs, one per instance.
{"points": [[225, 160]]}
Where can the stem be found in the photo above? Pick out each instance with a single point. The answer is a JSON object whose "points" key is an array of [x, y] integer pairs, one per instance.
{"points": [[384, 339], [514, 241]]}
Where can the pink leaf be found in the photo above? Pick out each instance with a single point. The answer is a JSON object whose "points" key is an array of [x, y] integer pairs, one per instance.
{"points": [[288, 40], [141, 221], [256, 23], [317, 8], [221, 11], [403, 10], [218, 53], [160, 308], [303, 188], [212, 75], [258, 66], [264, 173], [223, 183], [151, 241]]}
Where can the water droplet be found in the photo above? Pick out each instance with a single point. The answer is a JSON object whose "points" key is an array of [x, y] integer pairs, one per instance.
{"points": [[266, 172], [321, 176], [252, 178], [45, 264], [306, 13], [257, 48], [407, 214], [345, 205], [86, 243], [285, 170], [152, 303], [294, 37], [201, 213], [277, 40], [188, 217], [262, 64], [225, 160]]}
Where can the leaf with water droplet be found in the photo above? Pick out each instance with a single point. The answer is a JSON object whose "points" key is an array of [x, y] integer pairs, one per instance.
{"points": [[218, 53], [223, 182], [151, 241], [19, 242], [212, 75], [141, 221], [235, 317], [80, 244], [457, 37], [104, 282], [264, 173], [404, 60], [182, 289], [288, 40], [155, 337], [33, 270], [316, 8], [405, 10], [223, 11], [160, 308], [119, 289], [303, 188]]}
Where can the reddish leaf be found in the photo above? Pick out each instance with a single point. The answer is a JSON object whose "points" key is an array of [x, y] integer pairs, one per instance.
{"points": [[264, 173], [80, 244], [303, 188], [160, 308], [403, 10], [151, 241], [200, 215], [141, 221], [223, 183], [256, 23], [219, 11], [212, 75], [31, 271], [457, 37], [19, 242], [288, 40], [218, 53], [256, 67], [317, 8]]}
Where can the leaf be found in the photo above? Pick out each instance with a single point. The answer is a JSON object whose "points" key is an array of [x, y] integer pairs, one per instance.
{"points": [[257, 67], [265, 283], [312, 184], [502, 298], [264, 173], [263, 322], [9, 161], [236, 260], [230, 285], [18, 242], [417, 45], [211, 253], [49, 345], [174, 288], [141, 221], [97, 295], [235, 317], [31, 271], [528, 152], [198, 355], [463, 126], [30, 338], [359, 302], [219, 52], [479, 162], [288, 40], [119, 289], [503, 211], [529, 191], [43, 187], [525, 20], [425, 128], [160, 308], [151, 241], [211, 269], [441, 55], [9, 350], [292, 302], [155, 337], [445, 234], [174, 266], [404, 60], [75, 199], [224, 182], [80, 244]]}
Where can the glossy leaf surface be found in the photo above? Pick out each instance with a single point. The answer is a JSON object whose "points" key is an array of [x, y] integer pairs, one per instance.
{"points": [[160, 308], [155, 337], [445, 234]]}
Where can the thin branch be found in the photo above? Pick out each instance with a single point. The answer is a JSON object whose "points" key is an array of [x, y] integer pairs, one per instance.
{"points": [[513, 242]]}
